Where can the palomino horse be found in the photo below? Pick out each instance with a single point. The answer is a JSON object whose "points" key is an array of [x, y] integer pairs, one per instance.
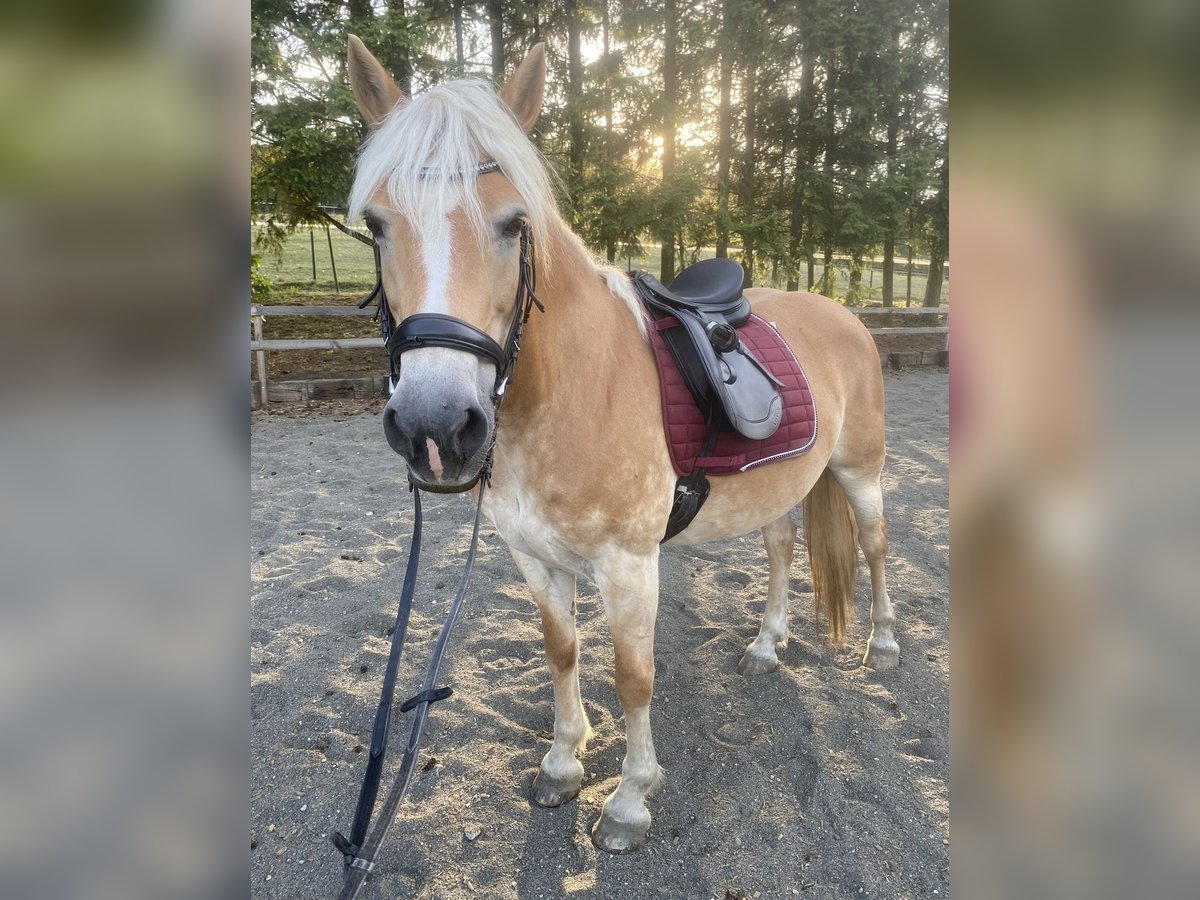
{"points": [[582, 481]]}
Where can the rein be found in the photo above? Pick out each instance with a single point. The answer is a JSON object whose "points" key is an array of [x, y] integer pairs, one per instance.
{"points": [[427, 330]]}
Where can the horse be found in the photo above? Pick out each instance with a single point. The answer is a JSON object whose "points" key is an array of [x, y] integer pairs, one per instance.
{"points": [[581, 481]]}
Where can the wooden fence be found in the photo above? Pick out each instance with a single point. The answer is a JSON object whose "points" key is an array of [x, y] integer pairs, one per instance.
{"points": [[259, 346]]}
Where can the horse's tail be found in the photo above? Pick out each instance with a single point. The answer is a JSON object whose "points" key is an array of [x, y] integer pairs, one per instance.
{"points": [[832, 538]]}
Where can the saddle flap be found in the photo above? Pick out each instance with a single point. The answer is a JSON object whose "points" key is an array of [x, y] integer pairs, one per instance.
{"points": [[740, 387]]}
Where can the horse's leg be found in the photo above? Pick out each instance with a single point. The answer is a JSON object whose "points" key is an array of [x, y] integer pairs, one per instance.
{"points": [[780, 538], [561, 774], [865, 496], [629, 586]]}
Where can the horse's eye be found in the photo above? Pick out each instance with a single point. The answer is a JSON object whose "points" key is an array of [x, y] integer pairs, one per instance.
{"points": [[374, 226], [514, 226]]}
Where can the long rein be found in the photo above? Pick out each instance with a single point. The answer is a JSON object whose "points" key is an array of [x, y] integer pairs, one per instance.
{"points": [[426, 329]]}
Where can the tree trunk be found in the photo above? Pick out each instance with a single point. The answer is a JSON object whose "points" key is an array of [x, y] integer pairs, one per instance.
{"points": [[854, 290], [725, 129], [908, 287], [575, 129], [670, 100], [889, 242], [610, 244], [933, 283], [748, 163], [400, 61], [803, 159], [889, 264], [458, 37], [495, 9], [811, 271], [827, 161], [893, 113], [938, 242]]}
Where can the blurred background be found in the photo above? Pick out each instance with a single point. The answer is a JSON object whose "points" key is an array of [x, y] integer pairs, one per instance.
{"points": [[1075, 219], [123, 544], [1074, 206]]}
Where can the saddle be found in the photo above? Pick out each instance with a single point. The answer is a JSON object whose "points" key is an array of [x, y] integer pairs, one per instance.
{"points": [[697, 316], [720, 371]]}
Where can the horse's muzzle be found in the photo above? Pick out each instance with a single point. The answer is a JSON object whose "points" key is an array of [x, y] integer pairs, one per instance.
{"points": [[443, 446]]}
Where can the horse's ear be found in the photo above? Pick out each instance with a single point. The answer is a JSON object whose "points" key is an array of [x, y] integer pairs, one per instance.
{"points": [[374, 90], [522, 93]]}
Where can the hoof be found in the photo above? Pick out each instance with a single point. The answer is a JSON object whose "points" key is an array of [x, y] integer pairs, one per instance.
{"points": [[620, 837], [550, 793], [883, 655], [752, 664]]}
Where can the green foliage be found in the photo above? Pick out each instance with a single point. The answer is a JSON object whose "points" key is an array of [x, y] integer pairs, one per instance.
{"points": [[260, 284], [844, 147]]}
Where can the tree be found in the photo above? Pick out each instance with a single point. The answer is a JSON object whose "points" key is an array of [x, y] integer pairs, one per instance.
{"points": [[670, 98], [766, 132]]}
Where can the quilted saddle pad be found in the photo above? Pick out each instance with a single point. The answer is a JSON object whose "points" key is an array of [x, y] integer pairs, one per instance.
{"points": [[684, 423]]}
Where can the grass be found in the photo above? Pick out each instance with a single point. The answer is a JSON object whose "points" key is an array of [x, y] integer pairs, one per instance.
{"points": [[292, 270]]}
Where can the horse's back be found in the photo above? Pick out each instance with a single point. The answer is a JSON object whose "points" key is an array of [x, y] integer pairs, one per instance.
{"points": [[833, 346], [842, 367], [811, 318], [839, 357]]}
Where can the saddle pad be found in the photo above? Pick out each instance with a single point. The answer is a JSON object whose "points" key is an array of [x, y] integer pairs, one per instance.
{"points": [[684, 423]]}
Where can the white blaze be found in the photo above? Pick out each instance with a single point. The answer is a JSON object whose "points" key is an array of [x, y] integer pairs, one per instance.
{"points": [[435, 254]]}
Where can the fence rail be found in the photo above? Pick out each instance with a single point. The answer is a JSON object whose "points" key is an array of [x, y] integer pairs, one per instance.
{"points": [[900, 310], [257, 310], [259, 346]]}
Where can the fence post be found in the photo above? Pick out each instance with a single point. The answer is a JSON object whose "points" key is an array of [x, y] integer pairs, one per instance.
{"points": [[908, 286], [262, 361], [312, 246], [332, 263]]}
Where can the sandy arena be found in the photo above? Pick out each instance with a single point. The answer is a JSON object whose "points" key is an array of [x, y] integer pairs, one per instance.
{"points": [[823, 779]]}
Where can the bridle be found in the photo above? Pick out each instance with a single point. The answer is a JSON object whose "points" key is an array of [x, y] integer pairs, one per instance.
{"points": [[427, 330], [440, 330]]}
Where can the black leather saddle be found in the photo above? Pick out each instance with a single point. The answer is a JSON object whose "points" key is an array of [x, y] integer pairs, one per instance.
{"points": [[697, 316], [714, 286]]}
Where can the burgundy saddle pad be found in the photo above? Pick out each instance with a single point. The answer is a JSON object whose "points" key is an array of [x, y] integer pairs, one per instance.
{"points": [[684, 423]]}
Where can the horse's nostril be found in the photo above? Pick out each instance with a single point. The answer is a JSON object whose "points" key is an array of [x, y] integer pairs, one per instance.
{"points": [[395, 433], [469, 436]]}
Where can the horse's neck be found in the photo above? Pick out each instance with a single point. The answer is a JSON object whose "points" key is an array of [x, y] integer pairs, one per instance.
{"points": [[569, 362]]}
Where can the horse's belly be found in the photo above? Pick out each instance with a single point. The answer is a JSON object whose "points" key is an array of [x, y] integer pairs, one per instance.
{"points": [[738, 504]]}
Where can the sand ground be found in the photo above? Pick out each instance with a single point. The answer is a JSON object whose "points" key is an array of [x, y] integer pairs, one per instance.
{"points": [[822, 779]]}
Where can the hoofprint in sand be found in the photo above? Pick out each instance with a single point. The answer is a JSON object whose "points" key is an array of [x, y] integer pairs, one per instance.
{"points": [[823, 779]]}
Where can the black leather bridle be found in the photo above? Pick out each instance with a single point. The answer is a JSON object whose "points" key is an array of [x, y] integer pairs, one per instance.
{"points": [[427, 330], [440, 330]]}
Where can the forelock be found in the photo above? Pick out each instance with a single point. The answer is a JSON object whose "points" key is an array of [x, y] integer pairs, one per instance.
{"points": [[422, 149]]}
